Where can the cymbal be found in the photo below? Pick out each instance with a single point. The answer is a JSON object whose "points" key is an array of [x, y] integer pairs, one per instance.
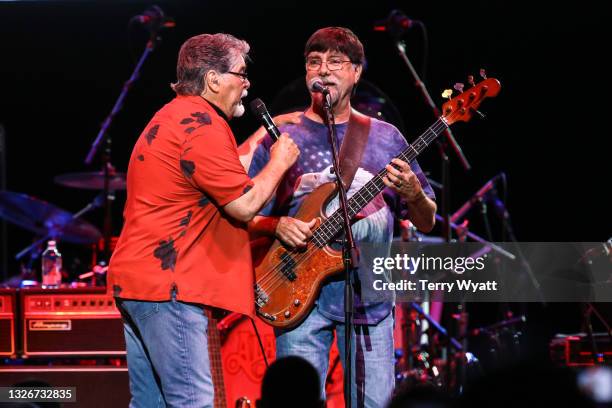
{"points": [[91, 180], [44, 218]]}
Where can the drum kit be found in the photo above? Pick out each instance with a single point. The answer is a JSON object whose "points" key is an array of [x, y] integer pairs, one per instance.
{"points": [[47, 221]]}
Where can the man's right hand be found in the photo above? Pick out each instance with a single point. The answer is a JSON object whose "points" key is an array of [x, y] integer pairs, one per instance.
{"points": [[283, 155], [284, 152], [293, 232]]}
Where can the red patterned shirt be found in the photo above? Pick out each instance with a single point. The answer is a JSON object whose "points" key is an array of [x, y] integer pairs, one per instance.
{"points": [[183, 169]]}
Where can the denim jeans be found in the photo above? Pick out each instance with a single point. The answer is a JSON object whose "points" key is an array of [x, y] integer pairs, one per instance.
{"points": [[372, 354], [167, 354]]}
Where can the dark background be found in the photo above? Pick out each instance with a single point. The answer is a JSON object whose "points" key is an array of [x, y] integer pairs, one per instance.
{"points": [[62, 66]]}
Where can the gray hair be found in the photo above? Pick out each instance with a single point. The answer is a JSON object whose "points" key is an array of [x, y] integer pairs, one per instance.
{"points": [[203, 53]]}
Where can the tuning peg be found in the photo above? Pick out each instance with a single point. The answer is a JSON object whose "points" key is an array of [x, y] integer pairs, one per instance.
{"points": [[447, 93], [458, 87], [483, 73], [479, 113], [471, 80]]}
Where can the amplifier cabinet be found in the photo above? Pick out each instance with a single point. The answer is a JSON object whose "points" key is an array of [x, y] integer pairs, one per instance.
{"points": [[7, 322], [70, 322]]}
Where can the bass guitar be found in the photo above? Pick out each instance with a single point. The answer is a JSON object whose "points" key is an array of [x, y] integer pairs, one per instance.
{"points": [[288, 281]]}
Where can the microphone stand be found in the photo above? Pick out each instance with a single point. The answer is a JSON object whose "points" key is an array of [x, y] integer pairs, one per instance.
{"points": [[504, 307], [442, 147], [350, 255], [106, 157], [450, 139], [488, 245], [504, 216]]}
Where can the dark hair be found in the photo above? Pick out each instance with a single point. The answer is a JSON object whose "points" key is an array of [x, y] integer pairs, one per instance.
{"points": [[336, 39], [203, 53], [290, 381]]}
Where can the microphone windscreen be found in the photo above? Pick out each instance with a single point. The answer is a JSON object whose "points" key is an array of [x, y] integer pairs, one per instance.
{"points": [[258, 108]]}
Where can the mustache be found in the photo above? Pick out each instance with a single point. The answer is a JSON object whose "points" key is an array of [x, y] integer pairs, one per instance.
{"points": [[324, 81]]}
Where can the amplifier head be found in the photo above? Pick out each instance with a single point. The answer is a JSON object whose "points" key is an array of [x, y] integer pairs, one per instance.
{"points": [[70, 322]]}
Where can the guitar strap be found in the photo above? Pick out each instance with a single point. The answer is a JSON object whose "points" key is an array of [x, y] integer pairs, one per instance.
{"points": [[353, 146]]}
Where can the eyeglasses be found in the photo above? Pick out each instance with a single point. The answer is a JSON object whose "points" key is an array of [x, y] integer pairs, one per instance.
{"points": [[242, 75], [333, 64]]}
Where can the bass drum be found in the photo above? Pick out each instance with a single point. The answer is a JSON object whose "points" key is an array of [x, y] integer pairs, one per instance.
{"points": [[244, 365]]}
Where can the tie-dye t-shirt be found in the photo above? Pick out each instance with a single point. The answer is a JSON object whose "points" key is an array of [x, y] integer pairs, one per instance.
{"points": [[183, 169], [375, 225]]}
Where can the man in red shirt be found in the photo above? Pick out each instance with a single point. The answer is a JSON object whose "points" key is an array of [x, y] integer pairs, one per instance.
{"points": [[184, 244]]}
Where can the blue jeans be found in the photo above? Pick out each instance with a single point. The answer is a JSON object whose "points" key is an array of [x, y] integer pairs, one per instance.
{"points": [[372, 355], [167, 354]]}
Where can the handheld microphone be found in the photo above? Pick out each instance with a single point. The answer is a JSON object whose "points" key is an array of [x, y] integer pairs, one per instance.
{"points": [[258, 108], [479, 195]]}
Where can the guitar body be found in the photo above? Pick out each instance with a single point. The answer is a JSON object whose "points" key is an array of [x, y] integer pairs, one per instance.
{"points": [[291, 292]]}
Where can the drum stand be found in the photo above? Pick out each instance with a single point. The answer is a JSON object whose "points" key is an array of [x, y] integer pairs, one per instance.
{"points": [[34, 249], [414, 356], [57, 233], [589, 310]]}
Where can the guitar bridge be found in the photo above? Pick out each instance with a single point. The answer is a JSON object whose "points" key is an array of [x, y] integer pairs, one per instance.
{"points": [[268, 316]]}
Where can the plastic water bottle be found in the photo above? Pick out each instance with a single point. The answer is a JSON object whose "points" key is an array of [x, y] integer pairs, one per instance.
{"points": [[51, 261]]}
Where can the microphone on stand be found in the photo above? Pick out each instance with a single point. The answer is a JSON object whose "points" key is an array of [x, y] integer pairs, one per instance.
{"points": [[396, 24], [479, 195], [154, 19], [258, 108], [317, 86]]}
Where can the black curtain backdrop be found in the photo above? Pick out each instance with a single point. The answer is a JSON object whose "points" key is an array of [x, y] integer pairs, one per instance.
{"points": [[62, 65]]}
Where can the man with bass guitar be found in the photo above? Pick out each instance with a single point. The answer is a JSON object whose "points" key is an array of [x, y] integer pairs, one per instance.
{"points": [[334, 59]]}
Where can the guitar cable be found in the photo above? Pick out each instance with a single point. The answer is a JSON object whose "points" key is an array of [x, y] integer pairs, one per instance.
{"points": [[261, 347]]}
